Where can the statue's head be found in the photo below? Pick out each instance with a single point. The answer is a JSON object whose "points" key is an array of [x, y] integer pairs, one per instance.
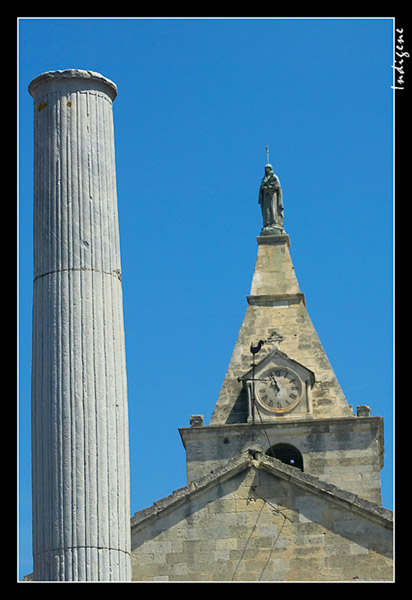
{"points": [[268, 169]]}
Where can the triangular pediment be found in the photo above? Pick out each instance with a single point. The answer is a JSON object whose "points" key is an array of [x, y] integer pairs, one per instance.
{"points": [[277, 358], [254, 459]]}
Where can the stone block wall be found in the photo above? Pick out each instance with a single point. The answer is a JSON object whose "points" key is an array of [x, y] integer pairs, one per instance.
{"points": [[347, 452], [256, 527]]}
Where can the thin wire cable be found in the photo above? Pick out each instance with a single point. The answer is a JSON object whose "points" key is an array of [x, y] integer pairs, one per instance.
{"points": [[275, 508], [248, 540], [273, 547], [264, 429]]}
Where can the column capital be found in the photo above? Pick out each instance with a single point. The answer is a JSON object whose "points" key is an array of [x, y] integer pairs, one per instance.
{"points": [[86, 79]]}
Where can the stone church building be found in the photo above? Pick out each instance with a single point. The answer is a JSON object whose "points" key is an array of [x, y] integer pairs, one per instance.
{"points": [[284, 482]]}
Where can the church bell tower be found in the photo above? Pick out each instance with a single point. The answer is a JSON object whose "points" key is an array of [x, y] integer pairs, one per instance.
{"points": [[280, 393]]}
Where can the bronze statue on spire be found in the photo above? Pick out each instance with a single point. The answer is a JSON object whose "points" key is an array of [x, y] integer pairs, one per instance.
{"points": [[271, 201]]}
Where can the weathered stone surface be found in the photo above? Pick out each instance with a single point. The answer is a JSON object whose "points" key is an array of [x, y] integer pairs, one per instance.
{"points": [[347, 452], [277, 304], [79, 398], [256, 519]]}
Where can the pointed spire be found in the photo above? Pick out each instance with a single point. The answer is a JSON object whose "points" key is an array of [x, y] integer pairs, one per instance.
{"points": [[277, 313]]}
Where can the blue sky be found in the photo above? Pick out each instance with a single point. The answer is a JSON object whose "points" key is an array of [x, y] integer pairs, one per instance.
{"points": [[198, 101]]}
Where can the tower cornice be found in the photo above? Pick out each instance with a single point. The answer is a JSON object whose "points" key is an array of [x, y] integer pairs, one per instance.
{"points": [[274, 239]]}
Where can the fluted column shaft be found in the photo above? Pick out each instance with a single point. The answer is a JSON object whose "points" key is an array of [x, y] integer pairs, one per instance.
{"points": [[80, 449]]}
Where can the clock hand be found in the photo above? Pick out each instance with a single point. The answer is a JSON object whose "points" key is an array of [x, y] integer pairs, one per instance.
{"points": [[274, 384]]}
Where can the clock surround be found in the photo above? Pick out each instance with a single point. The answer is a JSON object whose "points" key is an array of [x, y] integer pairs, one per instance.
{"points": [[278, 387]]}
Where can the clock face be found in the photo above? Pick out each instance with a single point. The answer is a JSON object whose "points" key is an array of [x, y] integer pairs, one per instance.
{"points": [[279, 389]]}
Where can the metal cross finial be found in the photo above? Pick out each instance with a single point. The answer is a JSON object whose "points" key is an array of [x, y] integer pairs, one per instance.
{"points": [[267, 154], [274, 338]]}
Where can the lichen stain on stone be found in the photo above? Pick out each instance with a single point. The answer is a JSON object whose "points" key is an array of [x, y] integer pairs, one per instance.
{"points": [[42, 105]]}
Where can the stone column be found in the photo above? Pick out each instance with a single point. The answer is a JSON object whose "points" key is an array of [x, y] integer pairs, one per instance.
{"points": [[80, 448]]}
